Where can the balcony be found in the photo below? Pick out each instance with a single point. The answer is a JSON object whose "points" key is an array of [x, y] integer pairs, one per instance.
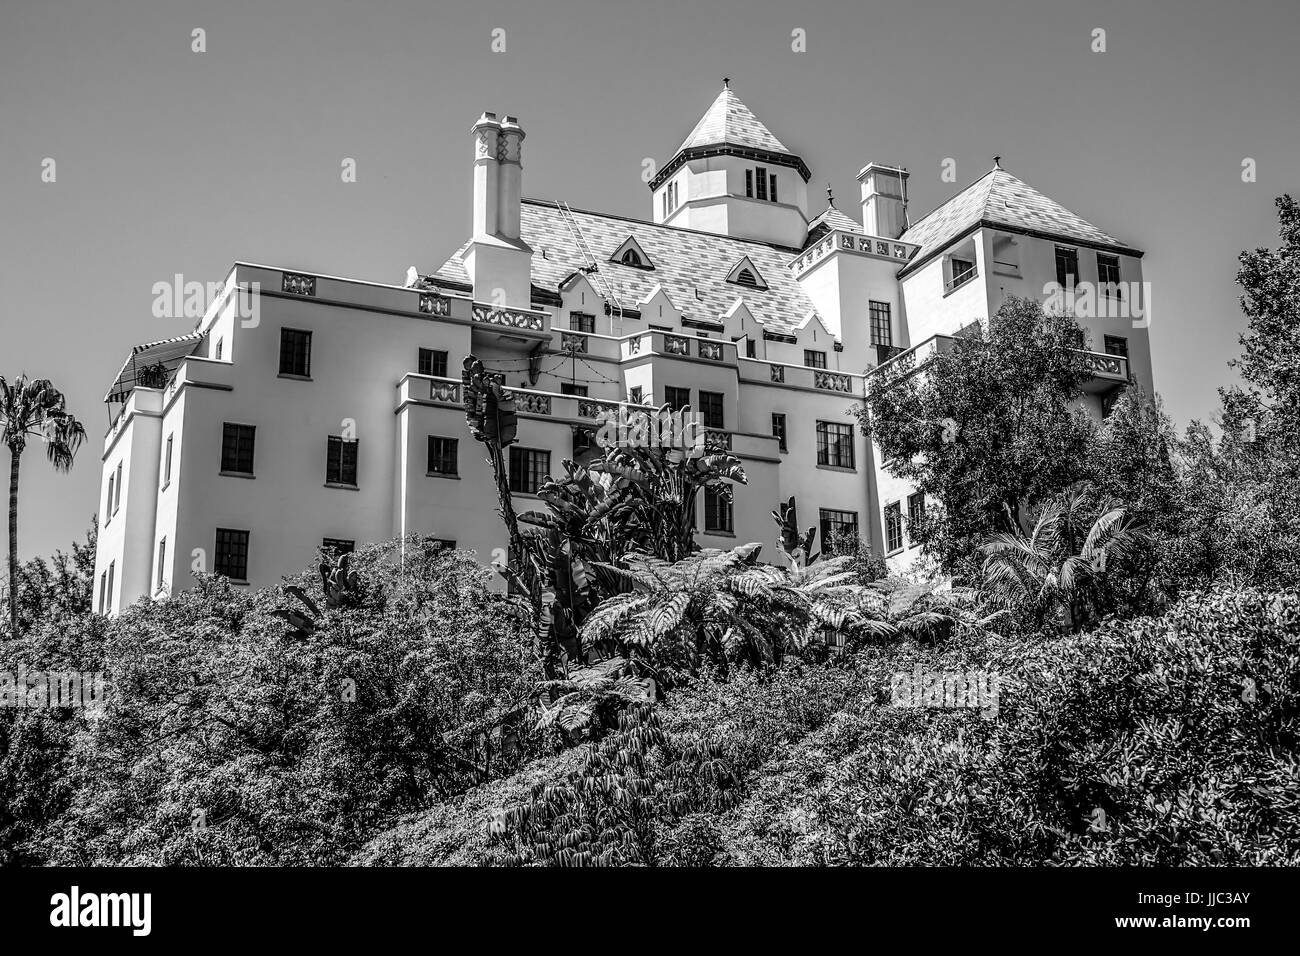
{"points": [[520, 325], [959, 280]]}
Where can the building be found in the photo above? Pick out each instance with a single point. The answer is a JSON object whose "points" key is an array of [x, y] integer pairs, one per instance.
{"points": [[310, 410]]}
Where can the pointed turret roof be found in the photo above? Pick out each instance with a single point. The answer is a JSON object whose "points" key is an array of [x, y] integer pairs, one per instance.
{"points": [[729, 121], [999, 199]]}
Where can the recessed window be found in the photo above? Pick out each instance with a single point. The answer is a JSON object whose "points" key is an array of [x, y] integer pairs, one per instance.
{"points": [[718, 515], [162, 563], [341, 461], [572, 388], [108, 590], [529, 469], [881, 327], [443, 455], [814, 359], [1116, 345], [749, 184], [778, 429], [433, 362], [1108, 274], [167, 462], [636, 395], [108, 502], [711, 409], [630, 258], [338, 546], [676, 398], [915, 512], [117, 494], [103, 590], [217, 352], [760, 182], [237, 448], [771, 186], [231, 554], [836, 524], [582, 322], [1067, 267], [750, 349], [295, 352], [835, 444], [893, 527]]}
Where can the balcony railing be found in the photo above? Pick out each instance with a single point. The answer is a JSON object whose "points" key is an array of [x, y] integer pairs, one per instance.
{"points": [[957, 281], [833, 381], [522, 319]]}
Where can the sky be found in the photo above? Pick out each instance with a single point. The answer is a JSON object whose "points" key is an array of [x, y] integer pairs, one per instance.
{"points": [[168, 160]]}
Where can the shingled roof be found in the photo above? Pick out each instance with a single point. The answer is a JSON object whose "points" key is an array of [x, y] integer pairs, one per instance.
{"points": [[691, 266], [830, 219], [999, 199], [731, 122]]}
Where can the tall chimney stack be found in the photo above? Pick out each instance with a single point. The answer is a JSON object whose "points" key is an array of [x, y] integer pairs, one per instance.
{"points": [[497, 260], [884, 200], [487, 174], [510, 188]]}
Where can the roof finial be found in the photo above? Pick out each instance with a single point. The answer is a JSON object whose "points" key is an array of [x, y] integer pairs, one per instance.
{"points": [[726, 82], [830, 196], [997, 162]]}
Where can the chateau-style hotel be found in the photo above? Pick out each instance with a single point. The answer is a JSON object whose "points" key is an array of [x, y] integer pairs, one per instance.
{"points": [[333, 418]]}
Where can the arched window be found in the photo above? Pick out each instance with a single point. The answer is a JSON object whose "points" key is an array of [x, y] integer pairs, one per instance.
{"points": [[630, 258], [745, 277]]}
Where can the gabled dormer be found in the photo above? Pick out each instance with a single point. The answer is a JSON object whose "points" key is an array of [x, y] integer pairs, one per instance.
{"points": [[745, 273], [631, 254]]}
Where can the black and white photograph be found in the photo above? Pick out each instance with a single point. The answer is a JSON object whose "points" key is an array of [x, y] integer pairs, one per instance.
{"points": [[844, 451]]}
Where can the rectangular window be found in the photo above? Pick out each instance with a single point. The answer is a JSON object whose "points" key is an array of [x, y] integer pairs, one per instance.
{"points": [[433, 362], [237, 448], [337, 546], [529, 469], [231, 555], [837, 523], [778, 429], [443, 455], [1108, 274], [117, 495], [771, 182], [718, 511], [749, 184], [568, 388], [103, 589], [711, 409], [1067, 267], [108, 592], [760, 181], [962, 269], [751, 348], [677, 398], [162, 562], [881, 327], [814, 359], [1116, 345], [341, 462], [295, 352], [108, 502], [636, 395], [167, 462], [835, 444], [582, 322], [893, 527], [915, 512], [217, 354]]}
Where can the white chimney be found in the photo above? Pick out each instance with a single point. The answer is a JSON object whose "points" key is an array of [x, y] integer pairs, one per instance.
{"points": [[487, 174], [884, 200], [510, 187]]}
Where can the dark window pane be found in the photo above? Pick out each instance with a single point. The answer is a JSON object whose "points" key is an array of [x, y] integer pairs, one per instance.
{"points": [[433, 362], [711, 409], [676, 398], [338, 546], [237, 448], [778, 429], [814, 359], [341, 461], [1067, 267], [893, 526], [295, 352], [1116, 345], [835, 444], [717, 511], [443, 455], [231, 558], [844, 523], [582, 322], [529, 469], [881, 332]]}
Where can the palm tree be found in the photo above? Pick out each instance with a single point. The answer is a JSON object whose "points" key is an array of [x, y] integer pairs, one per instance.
{"points": [[1062, 566], [33, 409]]}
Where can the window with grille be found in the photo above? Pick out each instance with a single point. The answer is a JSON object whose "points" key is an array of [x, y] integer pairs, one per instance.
{"points": [[837, 523], [835, 444], [711, 409], [814, 359], [582, 322], [237, 448], [1116, 345], [337, 546], [677, 398], [295, 352], [718, 515], [893, 527], [915, 512], [1067, 267], [231, 554], [529, 469], [433, 362], [443, 455], [778, 429], [341, 461], [881, 327]]}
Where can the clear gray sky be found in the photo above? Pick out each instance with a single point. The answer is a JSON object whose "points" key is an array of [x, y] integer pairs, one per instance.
{"points": [[173, 161]]}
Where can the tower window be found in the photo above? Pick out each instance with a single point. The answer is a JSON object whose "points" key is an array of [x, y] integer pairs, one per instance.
{"points": [[582, 322], [718, 513], [749, 184], [1108, 274], [433, 362], [760, 182], [341, 462], [231, 555], [529, 469], [237, 448], [295, 352], [881, 333], [814, 358], [443, 455], [771, 181], [778, 430], [711, 409], [1067, 267]]}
